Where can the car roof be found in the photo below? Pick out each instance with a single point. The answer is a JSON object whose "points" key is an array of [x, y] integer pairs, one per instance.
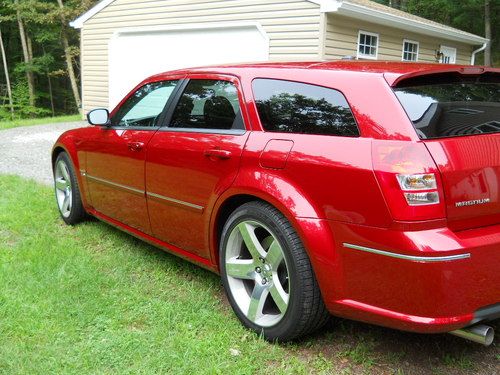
{"points": [[394, 71]]}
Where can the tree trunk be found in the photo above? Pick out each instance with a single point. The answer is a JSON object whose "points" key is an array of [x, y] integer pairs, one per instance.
{"points": [[69, 60], [51, 95], [26, 53], [487, 32], [30, 47], [395, 4], [6, 70]]}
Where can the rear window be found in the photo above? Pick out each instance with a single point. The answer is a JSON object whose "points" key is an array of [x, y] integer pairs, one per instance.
{"points": [[441, 107], [293, 107]]}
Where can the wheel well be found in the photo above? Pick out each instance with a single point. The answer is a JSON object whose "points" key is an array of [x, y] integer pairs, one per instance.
{"points": [[56, 153], [225, 211]]}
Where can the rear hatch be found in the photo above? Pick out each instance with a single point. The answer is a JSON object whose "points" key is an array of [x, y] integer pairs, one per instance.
{"points": [[457, 116]]}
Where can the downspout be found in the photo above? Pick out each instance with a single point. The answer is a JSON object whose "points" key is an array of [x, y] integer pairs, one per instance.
{"points": [[473, 58]]}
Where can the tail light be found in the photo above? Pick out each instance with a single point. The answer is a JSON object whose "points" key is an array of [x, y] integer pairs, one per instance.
{"points": [[409, 179], [419, 186]]}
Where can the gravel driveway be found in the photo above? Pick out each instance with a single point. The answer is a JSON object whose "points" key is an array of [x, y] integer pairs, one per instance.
{"points": [[25, 151]]}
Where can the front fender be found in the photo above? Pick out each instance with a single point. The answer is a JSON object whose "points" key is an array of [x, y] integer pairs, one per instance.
{"points": [[68, 143]]}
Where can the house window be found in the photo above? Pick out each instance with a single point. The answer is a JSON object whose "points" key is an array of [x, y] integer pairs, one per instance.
{"points": [[367, 45], [410, 50], [448, 55]]}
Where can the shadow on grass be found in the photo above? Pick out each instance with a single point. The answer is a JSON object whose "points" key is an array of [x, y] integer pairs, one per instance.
{"points": [[155, 254], [377, 349]]}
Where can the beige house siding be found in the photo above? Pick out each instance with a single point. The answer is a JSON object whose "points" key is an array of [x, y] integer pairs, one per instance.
{"points": [[342, 40], [293, 27]]}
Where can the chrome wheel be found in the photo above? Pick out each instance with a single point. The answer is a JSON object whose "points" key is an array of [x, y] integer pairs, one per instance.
{"points": [[63, 188], [257, 273]]}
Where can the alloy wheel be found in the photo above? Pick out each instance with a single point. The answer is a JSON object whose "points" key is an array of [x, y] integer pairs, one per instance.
{"points": [[257, 273], [63, 188]]}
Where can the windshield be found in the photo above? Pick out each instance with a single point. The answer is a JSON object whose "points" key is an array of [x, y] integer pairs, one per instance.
{"points": [[440, 108]]}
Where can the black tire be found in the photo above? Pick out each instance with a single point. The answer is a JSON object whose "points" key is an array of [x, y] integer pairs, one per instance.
{"points": [[305, 310], [75, 213]]}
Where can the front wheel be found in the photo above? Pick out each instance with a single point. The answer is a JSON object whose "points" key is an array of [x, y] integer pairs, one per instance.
{"points": [[67, 191], [267, 274]]}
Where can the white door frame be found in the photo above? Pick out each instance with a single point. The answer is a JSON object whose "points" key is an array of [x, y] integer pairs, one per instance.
{"points": [[449, 55]]}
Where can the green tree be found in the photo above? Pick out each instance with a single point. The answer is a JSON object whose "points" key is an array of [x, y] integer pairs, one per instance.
{"points": [[481, 17], [42, 53]]}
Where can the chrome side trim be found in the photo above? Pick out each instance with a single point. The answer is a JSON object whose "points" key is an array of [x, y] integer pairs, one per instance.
{"points": [[172, 200], [114, 184], [141, 192], [412, 258]]}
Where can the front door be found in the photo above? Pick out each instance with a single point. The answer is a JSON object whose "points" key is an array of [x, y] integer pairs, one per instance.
{"points": [[117, 153], [193, 160], [449, 55]]}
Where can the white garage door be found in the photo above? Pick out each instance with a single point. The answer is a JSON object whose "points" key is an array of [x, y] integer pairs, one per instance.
{"points": [[135, 54]]}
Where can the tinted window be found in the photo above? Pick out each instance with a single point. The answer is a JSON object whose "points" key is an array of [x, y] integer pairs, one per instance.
{"points": [[143, 108], [293, 107], [452, 108], [208, 104]]}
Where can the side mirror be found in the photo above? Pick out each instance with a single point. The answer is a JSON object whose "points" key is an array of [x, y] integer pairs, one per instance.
{"points": [[98, 116]]}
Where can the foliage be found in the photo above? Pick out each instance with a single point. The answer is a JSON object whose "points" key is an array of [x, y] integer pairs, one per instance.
{"points": [[44, 22], [18, 122], [21, 102], [467, 15]]}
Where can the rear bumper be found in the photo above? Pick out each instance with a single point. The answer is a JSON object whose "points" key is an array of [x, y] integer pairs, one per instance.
{"points": [[424, 281]]}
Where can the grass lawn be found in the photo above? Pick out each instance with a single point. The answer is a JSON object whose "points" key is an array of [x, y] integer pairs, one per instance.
{"points": [[91, 299], [38, 121]]}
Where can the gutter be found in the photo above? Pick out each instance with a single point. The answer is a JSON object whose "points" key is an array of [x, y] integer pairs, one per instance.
{"points": [[473, 58]]}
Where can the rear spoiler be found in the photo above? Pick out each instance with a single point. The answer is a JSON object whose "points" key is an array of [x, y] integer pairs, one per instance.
{"points": [[393, 79]]}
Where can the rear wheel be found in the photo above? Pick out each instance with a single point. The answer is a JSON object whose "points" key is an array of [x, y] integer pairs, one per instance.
{"points": [[67, 191], [267, 274]]}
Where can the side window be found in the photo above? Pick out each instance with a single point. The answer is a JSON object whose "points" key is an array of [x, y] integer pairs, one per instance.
{"points": [[208, 104], [292, 107], [143, 108]]}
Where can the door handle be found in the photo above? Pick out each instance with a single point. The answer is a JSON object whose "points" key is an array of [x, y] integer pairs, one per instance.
{"points": [[135, 146], [217, 153]]}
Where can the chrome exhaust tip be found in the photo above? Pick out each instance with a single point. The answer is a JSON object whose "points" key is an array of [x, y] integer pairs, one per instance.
{"points": [[482, 334]]}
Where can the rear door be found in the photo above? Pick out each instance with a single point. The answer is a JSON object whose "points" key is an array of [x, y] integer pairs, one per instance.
{"points": [[117, 153], [458, 117], [194, 159]]}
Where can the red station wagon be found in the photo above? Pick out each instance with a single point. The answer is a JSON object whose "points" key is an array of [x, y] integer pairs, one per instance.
{"points": [[366, 190]]}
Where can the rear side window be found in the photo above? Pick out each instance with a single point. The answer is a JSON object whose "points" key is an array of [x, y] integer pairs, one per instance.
{"points": [[208, 104], [441, 107], [293, 107]]}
